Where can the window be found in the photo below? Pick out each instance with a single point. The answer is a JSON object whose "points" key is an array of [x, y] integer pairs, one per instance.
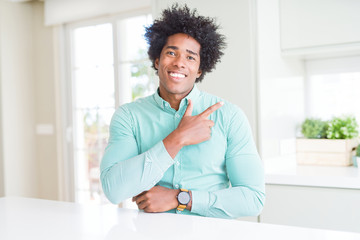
{"points": [[109, 66], [333, 87], [326, 88]]}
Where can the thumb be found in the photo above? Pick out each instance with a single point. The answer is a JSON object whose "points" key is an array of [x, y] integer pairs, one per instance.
{"points": [[189, 108]]}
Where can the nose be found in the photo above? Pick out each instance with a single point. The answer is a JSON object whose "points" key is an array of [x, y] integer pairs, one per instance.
{"points": [[179, 61]]}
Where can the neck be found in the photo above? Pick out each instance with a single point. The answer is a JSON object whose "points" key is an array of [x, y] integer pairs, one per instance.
{"points": [[173, 99]]}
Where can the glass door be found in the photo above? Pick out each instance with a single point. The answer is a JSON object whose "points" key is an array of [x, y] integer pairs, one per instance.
{"points": [[93, 105], [109, 67]]}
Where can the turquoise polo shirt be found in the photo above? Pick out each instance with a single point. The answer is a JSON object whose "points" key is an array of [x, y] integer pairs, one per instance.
{"points": [[225, 173]]}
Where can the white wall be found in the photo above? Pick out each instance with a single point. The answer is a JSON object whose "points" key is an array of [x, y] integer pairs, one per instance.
{"points": [[281, 85], [28, 163], [234, 78], [20, 166], [1, 126], [45, 112], [64, 11]]}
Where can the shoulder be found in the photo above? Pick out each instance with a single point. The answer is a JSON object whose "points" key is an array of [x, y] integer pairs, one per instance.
{"points": [[139, 106], [230, 117], [229, 108]]}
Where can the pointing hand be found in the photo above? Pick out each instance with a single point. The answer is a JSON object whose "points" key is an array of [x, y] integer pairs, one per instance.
{"points": [[191, 129], [196, 129]]}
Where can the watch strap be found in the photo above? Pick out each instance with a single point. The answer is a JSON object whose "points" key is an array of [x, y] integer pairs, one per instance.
{"points": [[181, 207]]}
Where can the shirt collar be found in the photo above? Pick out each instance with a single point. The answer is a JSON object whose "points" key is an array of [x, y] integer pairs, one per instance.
{"points": [[193, 95]]}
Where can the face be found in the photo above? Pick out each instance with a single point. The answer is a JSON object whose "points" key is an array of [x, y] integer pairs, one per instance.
{"points": [[178, 66]]}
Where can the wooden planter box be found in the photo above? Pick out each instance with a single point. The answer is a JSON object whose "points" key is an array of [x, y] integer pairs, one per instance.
{"points": [[329, 152]]}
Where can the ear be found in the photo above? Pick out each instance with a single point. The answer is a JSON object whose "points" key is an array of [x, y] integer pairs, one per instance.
{"points": [[199, 73], [157, 63]]}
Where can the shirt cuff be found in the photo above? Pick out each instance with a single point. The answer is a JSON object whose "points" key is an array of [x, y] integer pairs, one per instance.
{"points": [[200, 202], [161, 157]]}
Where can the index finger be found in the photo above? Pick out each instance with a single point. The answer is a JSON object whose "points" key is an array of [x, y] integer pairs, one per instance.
{"points": [[140, 194], [211, 109]]}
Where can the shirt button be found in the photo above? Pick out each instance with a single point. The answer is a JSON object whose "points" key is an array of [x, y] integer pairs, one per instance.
{"points": [[177, 186], [177, 115], [177, 163]]}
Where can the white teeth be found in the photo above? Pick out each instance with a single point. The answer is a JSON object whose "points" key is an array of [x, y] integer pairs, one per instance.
{"points": [[177, 75]]}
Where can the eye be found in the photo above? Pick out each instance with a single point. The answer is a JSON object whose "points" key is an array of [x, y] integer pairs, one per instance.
{"points": [[191, 58], [171, 53]]}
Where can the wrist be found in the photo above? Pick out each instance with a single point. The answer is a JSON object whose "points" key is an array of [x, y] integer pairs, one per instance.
{"points": [[173, 143], [184, 199], [188, 207], [178, 138]]}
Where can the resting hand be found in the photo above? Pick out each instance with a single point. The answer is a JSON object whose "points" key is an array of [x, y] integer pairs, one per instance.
{"points": [[157, 199]]}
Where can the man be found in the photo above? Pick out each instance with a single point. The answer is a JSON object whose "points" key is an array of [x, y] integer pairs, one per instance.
{"points": [[179, 149]]}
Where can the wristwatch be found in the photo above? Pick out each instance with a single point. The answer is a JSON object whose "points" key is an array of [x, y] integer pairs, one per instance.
{"points": [[183, 198]]}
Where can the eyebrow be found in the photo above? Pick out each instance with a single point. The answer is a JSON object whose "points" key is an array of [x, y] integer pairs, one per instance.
{"points": [[176, 48]]}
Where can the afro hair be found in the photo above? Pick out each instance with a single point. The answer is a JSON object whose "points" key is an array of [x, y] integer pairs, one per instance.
{"points": [[178, 19]]}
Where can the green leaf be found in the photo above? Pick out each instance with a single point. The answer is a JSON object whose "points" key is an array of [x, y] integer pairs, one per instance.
{"points": [[345, 127], [314, 128]]}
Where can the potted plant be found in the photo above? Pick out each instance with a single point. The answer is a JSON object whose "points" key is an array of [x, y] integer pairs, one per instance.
{"points": [[357, 157], [330, 143], [314, 128]]}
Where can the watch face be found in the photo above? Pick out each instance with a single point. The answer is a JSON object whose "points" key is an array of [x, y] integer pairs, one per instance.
{"points": [[184, 198]]}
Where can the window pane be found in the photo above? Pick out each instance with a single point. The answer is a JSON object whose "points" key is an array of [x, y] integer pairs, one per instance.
{"points": [[93, 106], [91, 139], [133, 45], [335, 95], [142, 78], [94, 87], [88, 187], [92, 126], [93, 46], [333, 86], [94, 92], [135, 67]]}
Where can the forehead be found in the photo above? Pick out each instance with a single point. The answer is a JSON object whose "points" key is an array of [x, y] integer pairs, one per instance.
{"points": [[184, 42]]}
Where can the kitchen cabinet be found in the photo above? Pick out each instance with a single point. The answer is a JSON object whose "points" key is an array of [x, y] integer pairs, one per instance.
{"points": [[315, 207], [322, 26]]}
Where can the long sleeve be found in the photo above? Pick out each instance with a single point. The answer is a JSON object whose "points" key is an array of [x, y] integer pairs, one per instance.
{"points": [[124, 171], [246, 196]]}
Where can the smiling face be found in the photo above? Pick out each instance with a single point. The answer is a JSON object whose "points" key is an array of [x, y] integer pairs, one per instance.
{"points": [[178, 67]]}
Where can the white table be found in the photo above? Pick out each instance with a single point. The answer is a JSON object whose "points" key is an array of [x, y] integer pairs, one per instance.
{"points": [[23, 218]]}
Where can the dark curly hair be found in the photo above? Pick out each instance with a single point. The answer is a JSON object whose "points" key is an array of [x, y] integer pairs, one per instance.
{"points": [[178, 19]]}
